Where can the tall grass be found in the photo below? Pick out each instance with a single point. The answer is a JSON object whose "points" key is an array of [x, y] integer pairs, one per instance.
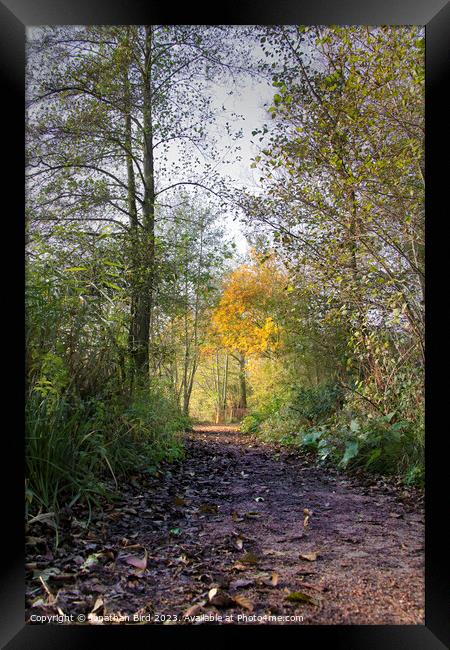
{"points": [[80, 451]]}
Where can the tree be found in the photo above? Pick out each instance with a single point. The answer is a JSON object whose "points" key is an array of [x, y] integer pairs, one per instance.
{"points": [[342, 167], [192, 255], [117, 118], [242, 320]]}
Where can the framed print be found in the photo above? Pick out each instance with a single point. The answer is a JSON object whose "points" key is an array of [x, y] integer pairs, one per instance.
{"points": [[233, 407]]}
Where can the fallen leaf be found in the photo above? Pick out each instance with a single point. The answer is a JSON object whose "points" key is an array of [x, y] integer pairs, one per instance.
{"points": [[244, 602], [137, 562], [241, 584], [311, 557], [274, 579], [249, 558], [92, 559], [193, 610], [221, 599], [98, 605], [38, 602], [46, 518], [300, 597], [239, 543], [45, 574], [211, 508]]}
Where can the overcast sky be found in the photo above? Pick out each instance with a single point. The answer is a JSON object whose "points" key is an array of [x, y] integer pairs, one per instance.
{"points": [[246, 110], [249, 101]]}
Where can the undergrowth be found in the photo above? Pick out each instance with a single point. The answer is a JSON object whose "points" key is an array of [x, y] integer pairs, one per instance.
{"points": [[79, 451], [321, 420]]}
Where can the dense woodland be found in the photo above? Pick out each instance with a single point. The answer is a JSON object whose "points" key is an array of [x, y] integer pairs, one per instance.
{"points": [[142, 317]]}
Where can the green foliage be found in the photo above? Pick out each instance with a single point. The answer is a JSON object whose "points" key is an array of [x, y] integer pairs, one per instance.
{"points": [[380, 445], [348, 225], [318, 419], [252, 422], [317, 403], [80, 450]]}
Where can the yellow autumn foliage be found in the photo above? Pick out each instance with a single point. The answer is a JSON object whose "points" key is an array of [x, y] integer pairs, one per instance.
{"points": [[241, 320]]}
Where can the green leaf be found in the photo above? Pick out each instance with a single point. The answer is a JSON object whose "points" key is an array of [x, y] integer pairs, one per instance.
{"points": [[300, 597], [351, 451], [113, 286], [373, 456]]}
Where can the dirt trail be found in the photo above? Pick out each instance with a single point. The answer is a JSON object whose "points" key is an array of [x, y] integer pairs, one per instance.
{"points": [[230, 518]]}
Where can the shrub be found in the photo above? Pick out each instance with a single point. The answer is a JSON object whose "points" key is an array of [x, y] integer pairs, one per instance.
{"points": [[317, 403], [377, 444]]}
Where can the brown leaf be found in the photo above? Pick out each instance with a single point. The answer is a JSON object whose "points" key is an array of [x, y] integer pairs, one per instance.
{"points": [[274, 579], [249, 558], [99, 604], [244, 602], [311, 557], [211, 508], [139, 563], [219, 598], [212, 592], [193, 610]]}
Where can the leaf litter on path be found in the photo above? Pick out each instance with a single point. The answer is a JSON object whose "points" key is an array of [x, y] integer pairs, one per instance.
{"points": [[197, 523]]}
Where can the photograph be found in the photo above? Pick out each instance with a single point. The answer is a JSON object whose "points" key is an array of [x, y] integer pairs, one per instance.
{"points": [[224, 307], [226, 351]]}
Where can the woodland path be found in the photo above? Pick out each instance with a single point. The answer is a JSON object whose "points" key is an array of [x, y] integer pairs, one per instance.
{"points": [[222, 533]]}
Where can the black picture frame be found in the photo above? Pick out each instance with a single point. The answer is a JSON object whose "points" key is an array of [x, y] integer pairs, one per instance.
{"points": [[15, 15]]}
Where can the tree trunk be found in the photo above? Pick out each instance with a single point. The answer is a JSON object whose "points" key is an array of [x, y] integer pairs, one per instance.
{"points": [[145, 298], [133, 220], [242, 383], [225, 388]]}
